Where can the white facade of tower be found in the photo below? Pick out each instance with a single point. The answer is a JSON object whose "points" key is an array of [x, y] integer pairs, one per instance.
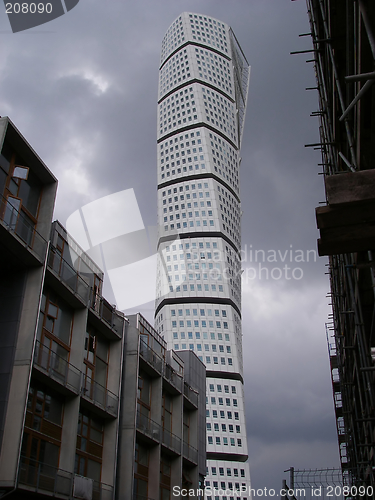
{"points": [[203, 84]]}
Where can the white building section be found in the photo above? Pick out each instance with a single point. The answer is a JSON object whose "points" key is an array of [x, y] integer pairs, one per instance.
{"points": [[203, 85]]}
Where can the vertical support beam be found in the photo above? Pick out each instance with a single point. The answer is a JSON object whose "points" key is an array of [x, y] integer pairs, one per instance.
{"points": [[366, 22], [291, 480], [338, 86]]}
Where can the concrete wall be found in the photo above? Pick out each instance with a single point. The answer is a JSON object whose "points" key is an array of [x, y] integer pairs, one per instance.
{"points": [[195, 376], [11, 297], [22, 314], [127, 424]]}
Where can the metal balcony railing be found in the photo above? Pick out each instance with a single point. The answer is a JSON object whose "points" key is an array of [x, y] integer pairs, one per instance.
{"points": [[80, 285], [171, 441], [150, 356], [45, 478], [191, 394], [148, 427], [107, 313], [173, 377], [17, 222], [68, 275], [99, 395], [57, 367], [145, 327], [190, 453], [70, 377]]}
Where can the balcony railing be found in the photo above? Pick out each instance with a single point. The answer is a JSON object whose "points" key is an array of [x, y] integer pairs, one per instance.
{"points": [[173, 377], [57, 367], [190, 453], [96, 490], [16, 222], [68, 275], [171, 441], [80, 285], [191, 394], [107, 313], [99, 395], [150, 356], [148, 427], [45, 478], [70, 377]]}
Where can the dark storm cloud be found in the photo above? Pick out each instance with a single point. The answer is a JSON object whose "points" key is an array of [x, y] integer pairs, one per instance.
{"points": [[84, 95], [290, 415]]}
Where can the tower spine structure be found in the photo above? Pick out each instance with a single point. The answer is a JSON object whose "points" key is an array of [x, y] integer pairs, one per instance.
{"points": [[203, 86]]}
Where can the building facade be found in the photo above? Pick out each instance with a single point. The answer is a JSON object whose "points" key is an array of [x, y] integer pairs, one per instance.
{"points": [[61, 344], [92, 404], [162, 431], [203, 85]]}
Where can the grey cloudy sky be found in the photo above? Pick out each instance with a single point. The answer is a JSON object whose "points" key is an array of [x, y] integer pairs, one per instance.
{"points": [[83, 89]]}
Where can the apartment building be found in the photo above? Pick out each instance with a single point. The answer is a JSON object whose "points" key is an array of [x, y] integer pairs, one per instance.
{"points": [[163, 414], [74, 371]]}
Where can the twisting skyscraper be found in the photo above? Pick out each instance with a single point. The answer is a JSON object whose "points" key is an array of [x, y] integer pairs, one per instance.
{"points": [[203, 86]]}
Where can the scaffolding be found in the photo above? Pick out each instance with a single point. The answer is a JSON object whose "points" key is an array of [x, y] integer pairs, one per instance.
{"points": [[308, 484], [343, 54]]}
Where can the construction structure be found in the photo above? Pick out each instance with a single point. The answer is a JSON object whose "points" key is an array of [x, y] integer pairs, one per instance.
{"points": [[343, 36], [203, 85], [311, 483]]}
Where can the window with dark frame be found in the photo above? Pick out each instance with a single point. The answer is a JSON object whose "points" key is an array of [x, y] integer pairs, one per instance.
{"points": [[20, 191], [42, 434], [89, 449], [96, 351], [141, 461], [54, 334]]}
